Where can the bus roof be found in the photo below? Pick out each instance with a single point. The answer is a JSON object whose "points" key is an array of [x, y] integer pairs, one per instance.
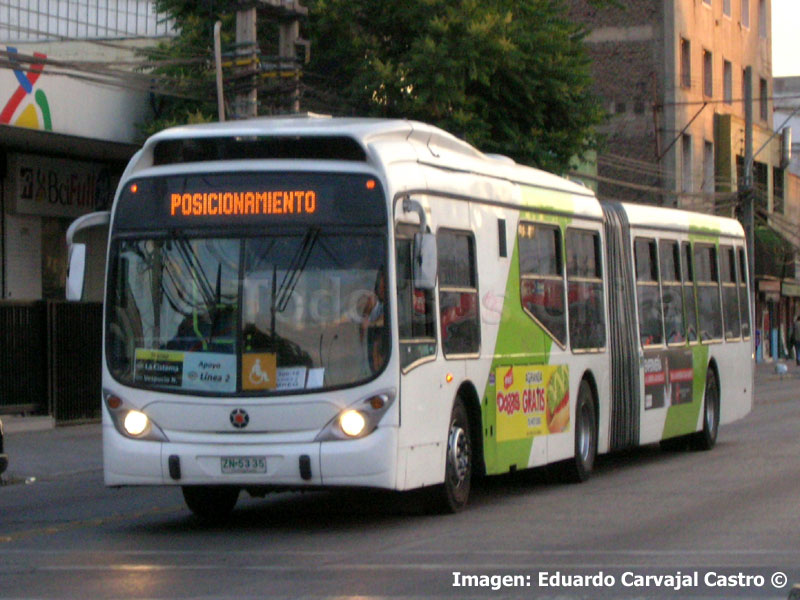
{"points": [[658, 217], [382, 141]]}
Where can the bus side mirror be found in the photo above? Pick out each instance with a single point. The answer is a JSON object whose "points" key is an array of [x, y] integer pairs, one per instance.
{"points": [[77, 271], [425, 259]]}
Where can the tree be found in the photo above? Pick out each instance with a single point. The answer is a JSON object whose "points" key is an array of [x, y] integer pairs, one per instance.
{"points": [[510, 76], [183, 66]]}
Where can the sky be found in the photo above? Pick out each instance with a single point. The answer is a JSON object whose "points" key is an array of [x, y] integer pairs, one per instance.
{"points": [[785, 38]]}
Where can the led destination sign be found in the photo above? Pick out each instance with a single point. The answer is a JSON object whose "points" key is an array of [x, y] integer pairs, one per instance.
{"points": [[213, 200], [278, 202]]}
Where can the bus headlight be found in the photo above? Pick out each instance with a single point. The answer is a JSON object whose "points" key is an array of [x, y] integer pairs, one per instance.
{"points": [[131, 422], [352, 423], [135, 423], [357, 420]]}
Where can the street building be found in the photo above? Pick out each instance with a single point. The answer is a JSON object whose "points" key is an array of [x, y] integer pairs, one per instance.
{"points": [[673, 75], [71, 102]]}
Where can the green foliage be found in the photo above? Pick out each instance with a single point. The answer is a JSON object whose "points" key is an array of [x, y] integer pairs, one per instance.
{"points": [[510, 76]]}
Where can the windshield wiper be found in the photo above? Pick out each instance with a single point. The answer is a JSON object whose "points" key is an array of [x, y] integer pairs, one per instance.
{"points": [[295, 270]]}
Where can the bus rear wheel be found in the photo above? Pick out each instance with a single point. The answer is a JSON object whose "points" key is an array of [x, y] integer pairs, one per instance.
{"points": [[210, 503], [707, 438], [579, 468]]}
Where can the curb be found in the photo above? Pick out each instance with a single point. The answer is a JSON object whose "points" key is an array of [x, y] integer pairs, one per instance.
{"points": [[13, 425]]}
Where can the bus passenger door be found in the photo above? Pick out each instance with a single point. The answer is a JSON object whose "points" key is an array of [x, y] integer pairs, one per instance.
{"points": [[421, 380]]}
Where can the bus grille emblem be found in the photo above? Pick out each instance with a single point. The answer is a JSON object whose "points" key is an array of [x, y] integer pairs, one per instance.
{"points": [[239, 418]]}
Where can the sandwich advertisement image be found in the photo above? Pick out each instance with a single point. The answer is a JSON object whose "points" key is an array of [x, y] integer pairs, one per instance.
{"points": [[531, 400]]}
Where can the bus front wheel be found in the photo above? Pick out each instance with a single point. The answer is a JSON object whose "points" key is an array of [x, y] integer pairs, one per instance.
{"points": [[210, 503], [452, 495]]}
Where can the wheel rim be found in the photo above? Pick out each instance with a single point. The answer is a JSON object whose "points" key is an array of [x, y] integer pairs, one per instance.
{"points": [[585, 434], [458, 454], [711, 405]]}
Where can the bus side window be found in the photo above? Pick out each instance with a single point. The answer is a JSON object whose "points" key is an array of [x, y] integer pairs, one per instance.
{"points": [[688, 291], [671, 292], [541, 273], [708, 301], [458, 293], [587, 327], [730, 292], [744, 296], [414, 308], [651, 327]]}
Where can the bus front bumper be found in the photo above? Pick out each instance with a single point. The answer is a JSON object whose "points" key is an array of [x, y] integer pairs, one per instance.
{"points": [[366, 462]]}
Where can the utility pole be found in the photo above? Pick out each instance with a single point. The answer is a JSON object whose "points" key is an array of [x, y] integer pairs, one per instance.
{"points": [[246, 105], [287, 13], [218, 70], [746, 192], [287, 51]]}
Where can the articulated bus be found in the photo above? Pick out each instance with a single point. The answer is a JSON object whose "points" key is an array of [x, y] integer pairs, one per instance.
{"points": [[306, 303]]}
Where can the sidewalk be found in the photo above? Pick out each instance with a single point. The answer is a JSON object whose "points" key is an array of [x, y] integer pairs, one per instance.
{"points": [[49, 453], [36, 448]]}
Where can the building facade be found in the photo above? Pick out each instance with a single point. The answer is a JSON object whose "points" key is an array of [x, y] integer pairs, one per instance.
{"points": [[672, 75], [70, 105]]}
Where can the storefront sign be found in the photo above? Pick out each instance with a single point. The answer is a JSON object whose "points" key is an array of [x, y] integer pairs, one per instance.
{"points": [[56, 187], [790, 289]]}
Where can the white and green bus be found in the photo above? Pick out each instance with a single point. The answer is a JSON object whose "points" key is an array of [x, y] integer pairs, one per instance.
{"points": [[304, 303]]}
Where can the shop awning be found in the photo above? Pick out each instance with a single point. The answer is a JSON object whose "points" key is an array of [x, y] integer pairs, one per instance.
{"points": [[34, 141]]}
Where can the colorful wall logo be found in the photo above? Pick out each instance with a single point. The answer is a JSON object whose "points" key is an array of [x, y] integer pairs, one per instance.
{"points": [[27, 107]]}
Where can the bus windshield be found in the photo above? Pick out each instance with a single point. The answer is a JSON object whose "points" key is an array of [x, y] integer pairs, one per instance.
{"points": [[274, 310]]}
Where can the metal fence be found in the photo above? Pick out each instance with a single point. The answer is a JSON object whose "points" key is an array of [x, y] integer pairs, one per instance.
{"points": [[50, 359], [23, 357]]}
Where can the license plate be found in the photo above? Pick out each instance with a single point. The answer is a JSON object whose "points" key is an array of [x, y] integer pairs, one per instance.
{"points": [[243, 464]]}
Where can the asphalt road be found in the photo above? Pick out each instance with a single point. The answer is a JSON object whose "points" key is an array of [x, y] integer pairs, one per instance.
{"points": [[719, 524]]}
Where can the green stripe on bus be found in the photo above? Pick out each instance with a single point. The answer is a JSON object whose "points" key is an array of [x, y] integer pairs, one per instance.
{"points": [[682, 418]]}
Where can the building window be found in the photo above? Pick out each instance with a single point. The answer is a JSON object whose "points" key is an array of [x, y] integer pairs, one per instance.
{"points": [[745, 13], [686, 147], [686, 63], [726, 8], [727, 81], [777, 190], [708, 73], [763, 94], [762, 19], [708, 167]]}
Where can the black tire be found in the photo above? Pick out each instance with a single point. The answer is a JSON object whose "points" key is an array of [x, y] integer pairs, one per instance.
{"points": [[453, 494], [210, 503], [707, 438], [579, 468], [676, 444]]}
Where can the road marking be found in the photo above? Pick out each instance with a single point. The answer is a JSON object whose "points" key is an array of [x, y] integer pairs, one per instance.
{"points": [[93, 522]]}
